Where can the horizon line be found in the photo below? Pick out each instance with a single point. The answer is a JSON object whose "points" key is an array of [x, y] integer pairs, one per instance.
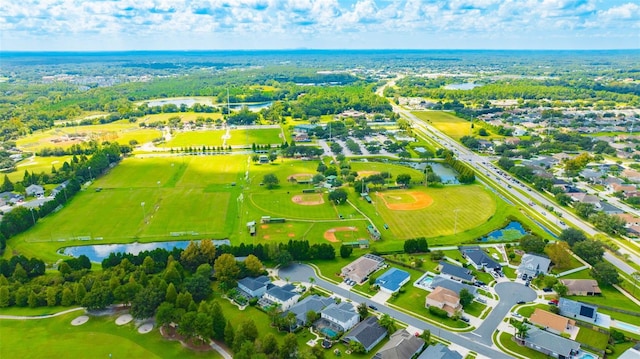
{"points": [[316, 49]]}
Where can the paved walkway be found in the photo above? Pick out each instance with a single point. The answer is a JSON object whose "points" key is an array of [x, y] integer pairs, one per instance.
{"points": [[220, 350], [24, 317]]}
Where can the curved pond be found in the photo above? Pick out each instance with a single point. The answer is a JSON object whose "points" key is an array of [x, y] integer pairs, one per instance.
{"points": [[462, 86], [511, 232], [98, 252], [189, 101]]}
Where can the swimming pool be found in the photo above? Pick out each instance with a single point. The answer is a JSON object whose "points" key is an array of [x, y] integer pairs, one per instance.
{"points": [[628, 327], [587, 356], [426, 281], [329, 332]]}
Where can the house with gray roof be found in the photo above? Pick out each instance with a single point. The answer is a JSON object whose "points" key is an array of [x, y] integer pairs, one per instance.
{"points": [[35, 190], [455, 272], [550, 344], [284, 297], [313, 303], [344, 315], [440, 281], [11, 197], [609, 209], [480, 259], [254, 287], [368, 333], [439, 351], [532, 265], [578, 310], [401, 345]]}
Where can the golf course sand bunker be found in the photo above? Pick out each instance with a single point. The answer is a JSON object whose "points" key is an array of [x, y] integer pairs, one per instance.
{"points": [[330, 235], [406, 201], [313, 199], [124, 319], [145, 328], [80, 320]]}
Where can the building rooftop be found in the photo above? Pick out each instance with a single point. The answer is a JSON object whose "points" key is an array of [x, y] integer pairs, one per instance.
{"points": [[456, 271], [550, 320], [440, 281], [439, 351], [401, 345], [392, 279], [367, 332], [551, 342], [576, 286]]}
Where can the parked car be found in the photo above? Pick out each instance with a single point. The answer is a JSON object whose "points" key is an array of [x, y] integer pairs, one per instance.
{"points": [[371, 306], [516, 315], [464, 319], [521, 302], [547, 289]]}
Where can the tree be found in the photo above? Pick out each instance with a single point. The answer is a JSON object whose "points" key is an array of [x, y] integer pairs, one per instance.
{"points": [[558, 252], [311, 317], [522, 330], [67, 297], [4, 297], [146, 302], [532, 244], [605, 273], [363, 310], [255, 158], [338, 196], [403, 179], [219, 321], [198, 286], [357, 347], [284, 258], [273, 156], [290, 321], [165, 314], [289, 346], [269, 344], [584, 210], [589, 250], [345, 251], [7, 185], [387, 322], [572, 236], [226, 269], [270, 181], [466, 297], [253, 265], [229, 334], [561, 289]]}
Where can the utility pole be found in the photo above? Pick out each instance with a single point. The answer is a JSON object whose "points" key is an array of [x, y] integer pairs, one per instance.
{"points": [[455, 223]]}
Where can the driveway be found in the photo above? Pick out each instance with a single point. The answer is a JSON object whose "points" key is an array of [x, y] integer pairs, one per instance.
{"points": [[510, 293], [302, 272]]}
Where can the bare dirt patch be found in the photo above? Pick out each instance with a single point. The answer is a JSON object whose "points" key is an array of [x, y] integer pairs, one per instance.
{"points": [[421, 200], [330, 235], [313, 199], [363, 174], [264, 226], [291, 235], [300, 177]]}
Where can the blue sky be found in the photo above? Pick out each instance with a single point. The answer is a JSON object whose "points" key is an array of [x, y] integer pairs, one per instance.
{"points": [[322, 24]]}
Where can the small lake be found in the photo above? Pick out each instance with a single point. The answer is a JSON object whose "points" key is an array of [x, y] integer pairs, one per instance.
{"points": [[446, 173], [511, 232], [179, 101], [253, 106], [98, 252], [462, 86]]}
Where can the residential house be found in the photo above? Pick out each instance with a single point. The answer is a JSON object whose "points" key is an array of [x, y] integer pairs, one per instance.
{"points": [[11, 197], [391, 281], [254, 287], [480, 259], [631, 353], [301, 137], [313, 303], [401, 345], [550, 344], [360, 269], [444, 299], [624, 188], [440, 281], [59, 188], [629, 219], [581, 286], [34, 190], [593, 176], [562, 184], [631, 175], [439, 351], [343, 315], [306, 128], [284, 296], [609, 181], [608, 208], [263, 159], [514, 141], [455, 272], [553, 323], [532, 265], [577, 310], [368, 333], [561, 156]]}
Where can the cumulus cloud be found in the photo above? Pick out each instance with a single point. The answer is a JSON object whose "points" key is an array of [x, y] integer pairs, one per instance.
{"points": [[313, 20]]}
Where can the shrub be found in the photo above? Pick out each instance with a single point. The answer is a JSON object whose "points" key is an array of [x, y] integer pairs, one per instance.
{"points": [[438, 312]]}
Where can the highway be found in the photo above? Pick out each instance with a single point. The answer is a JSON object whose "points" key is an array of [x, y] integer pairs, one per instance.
{"points": [[518, 190]]}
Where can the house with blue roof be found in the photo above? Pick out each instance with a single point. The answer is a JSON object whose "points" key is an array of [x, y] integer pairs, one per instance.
{"points": [[455, 272], [391, 281], [254, 287], [285, 297]]}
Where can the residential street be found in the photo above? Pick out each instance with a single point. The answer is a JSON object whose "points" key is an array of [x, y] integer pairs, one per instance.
{"points": [[302, 273]]}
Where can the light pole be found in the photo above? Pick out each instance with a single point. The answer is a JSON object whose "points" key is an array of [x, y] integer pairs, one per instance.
{"points": [[32, 216], [455, 223], [90, 176], [143, 214]]}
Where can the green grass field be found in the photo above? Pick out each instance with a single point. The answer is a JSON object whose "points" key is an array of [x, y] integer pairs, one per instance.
{"points": [[100, 337], [36, 165], [453, 126], [239, 137]]}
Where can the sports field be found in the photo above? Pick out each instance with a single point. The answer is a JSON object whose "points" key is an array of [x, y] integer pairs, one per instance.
{"points": [[36, 165], [145, 200], [453, 126], [270, 136]]}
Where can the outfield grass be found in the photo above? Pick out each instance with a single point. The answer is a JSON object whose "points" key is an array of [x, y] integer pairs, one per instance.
{"points": [[266, 136], [451, 125], [100, 337]]}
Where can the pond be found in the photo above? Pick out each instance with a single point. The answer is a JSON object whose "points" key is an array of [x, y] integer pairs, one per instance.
{"points": [[447, 174], [462, 86], [511, 232], [179, 101], [253, 106], [98, 252]]}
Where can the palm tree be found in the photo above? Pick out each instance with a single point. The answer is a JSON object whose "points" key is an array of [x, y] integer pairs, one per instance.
{"points": [[311, 281], [388, 323], [522, 330]]}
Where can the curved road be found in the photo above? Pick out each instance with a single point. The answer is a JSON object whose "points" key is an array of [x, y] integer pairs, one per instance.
{"points": [[478, 344]]}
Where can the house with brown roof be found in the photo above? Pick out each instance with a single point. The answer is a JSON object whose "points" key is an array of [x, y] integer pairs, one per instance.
{"points": [[551, 322], [629, 219], [581, 286], [444, 299], [360, 269], [631, 175]]}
